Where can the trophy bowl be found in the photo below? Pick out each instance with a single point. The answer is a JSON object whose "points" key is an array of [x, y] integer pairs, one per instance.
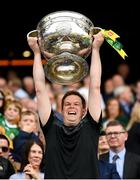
{"points": [[65, 40]]}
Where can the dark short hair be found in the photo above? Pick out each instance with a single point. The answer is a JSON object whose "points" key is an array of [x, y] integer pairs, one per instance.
{"points": [[102, 133], [4, 137], [76, 93], [115, 123]]}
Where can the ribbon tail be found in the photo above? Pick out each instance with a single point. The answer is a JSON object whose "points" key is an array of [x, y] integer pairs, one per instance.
{"points": [[116, 45], [122, 53]]}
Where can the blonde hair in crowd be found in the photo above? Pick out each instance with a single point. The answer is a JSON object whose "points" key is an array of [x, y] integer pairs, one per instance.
{"points": [[135, 115]]}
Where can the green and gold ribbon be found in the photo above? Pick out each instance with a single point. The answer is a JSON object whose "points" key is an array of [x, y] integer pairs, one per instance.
{"points": [[111, 38]]}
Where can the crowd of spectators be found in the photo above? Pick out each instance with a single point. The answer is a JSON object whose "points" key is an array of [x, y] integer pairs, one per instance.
{"points": [[19, 121]]}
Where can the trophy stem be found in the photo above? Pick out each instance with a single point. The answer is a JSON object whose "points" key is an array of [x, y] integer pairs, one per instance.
{"points": [[66, 69]]}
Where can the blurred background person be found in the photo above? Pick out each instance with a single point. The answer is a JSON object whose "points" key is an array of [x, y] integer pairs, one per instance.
{"points": [[107, 170], [126, 99], [137, 91], [15, 85], [28, 103], [28, 85], [123, 69], [29, 130], [32, 162], [133, 142], [2, 102], [9, 96], [57, 88], [6, 166], [108, 89], [3, 83], [9, 124], [103, 146], [117, 80], [114, 112]]}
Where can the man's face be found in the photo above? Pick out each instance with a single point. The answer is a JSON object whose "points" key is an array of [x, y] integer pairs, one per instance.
{"points": [[72, 110], [116, 137], [4, 149]]}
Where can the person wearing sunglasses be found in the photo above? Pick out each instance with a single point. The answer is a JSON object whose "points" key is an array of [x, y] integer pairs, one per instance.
{"points": [[6, 167], [4, 146]]}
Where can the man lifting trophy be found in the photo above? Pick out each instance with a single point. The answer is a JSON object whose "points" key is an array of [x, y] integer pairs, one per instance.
{"points": [[66, 39]]}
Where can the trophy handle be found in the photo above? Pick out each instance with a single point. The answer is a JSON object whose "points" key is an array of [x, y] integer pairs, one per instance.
{"points": [[95, 30], [33, 33]]}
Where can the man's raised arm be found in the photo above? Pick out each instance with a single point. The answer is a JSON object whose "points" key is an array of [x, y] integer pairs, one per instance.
{"points": [[43, 101], [94, 102]]}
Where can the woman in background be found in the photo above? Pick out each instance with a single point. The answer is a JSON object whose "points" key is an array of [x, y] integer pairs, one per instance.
{"points": [[133, 142], [32, 162]]}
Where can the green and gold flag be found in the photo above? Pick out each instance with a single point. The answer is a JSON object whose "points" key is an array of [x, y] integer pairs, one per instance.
{"points": [[111, 38]]}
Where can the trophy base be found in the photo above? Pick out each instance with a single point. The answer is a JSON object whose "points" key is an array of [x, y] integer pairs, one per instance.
{"points": [[66, 69]]}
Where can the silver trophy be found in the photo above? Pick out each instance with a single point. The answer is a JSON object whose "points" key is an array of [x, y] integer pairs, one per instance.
{"points": [[65, 40]]}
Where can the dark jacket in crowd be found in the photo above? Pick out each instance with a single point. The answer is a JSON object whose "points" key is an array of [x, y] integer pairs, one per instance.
{"points": [[6, 168], [19, 143], [108, 170], [131, 169]]}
